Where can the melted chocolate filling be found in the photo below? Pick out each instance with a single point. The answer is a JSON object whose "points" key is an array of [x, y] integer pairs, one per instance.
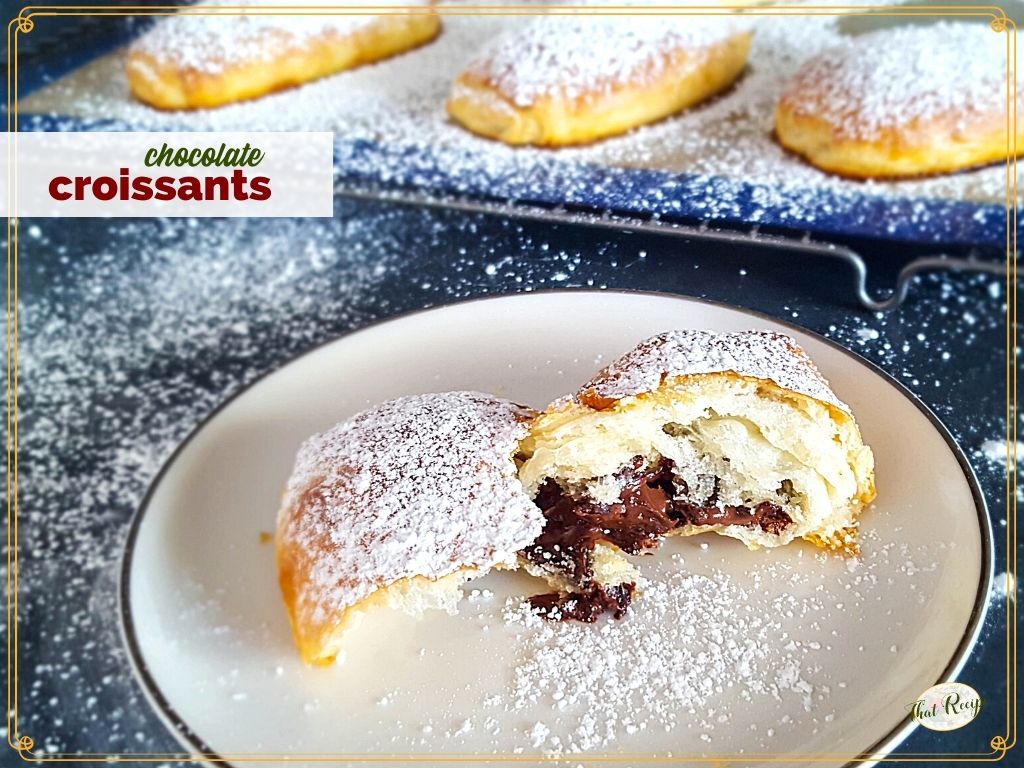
{"points": [[585, 606], [574, 526], [647, 509], [769, 517]]}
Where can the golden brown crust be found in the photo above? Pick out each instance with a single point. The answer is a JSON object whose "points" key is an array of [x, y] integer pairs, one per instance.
{"points": [[949, 143], [162, 79], [842, 542], [901, 102], [683, 78]]}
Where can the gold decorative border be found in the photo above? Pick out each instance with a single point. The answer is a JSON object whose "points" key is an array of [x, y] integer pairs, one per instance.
{"points": [[24, 24]]}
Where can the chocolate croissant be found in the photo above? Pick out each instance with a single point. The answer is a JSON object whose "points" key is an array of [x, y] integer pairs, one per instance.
{"points": [[694, 431]]}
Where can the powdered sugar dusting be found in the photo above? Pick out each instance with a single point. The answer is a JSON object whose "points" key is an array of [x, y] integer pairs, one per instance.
{"points": [[653, 671], [757, 354], [1004, 585], [999, 451], [916, 75], [584, 58], [419, 486], [210, 41], [714, 655]]}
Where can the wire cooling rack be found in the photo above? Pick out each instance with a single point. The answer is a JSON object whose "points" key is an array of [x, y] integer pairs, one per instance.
{"points": [[805, 245]]}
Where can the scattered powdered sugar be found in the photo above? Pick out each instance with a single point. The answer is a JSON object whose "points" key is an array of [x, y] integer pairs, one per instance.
{"points": [[690, 637], [583, 58], [904, 77], [867, 334], [708, 649], [757, 354], [1004, 585], [424, 485], [997, 451], [214, 39]]}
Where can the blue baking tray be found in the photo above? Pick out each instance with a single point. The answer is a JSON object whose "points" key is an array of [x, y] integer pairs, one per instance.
{"points": [[63, 43]]}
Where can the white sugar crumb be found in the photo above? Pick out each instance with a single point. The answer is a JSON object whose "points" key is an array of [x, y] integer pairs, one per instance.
{"points": [[997, 451], [386, 496], [867, 334], [210, 40], [1004, 585], [582, 59], [538, 734], [758, 354], [918, 74]]}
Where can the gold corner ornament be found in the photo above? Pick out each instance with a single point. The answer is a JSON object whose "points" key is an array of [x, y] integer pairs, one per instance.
{"points": [[25, 23], [998, 744], [25, 744]]}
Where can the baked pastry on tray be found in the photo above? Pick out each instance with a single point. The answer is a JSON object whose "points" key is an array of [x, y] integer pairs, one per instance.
{"points": [[691, 431], [562, 80], [193, 60], [900, 102]]}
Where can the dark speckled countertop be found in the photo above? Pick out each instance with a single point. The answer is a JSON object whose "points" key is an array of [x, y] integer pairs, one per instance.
{"points": [[131, 331]]}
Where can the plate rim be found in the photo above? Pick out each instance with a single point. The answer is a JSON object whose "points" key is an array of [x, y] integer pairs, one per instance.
{"points": [[881, 748]]}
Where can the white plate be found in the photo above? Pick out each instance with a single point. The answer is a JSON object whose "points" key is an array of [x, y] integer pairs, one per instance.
{"points": [[802, 653]]}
